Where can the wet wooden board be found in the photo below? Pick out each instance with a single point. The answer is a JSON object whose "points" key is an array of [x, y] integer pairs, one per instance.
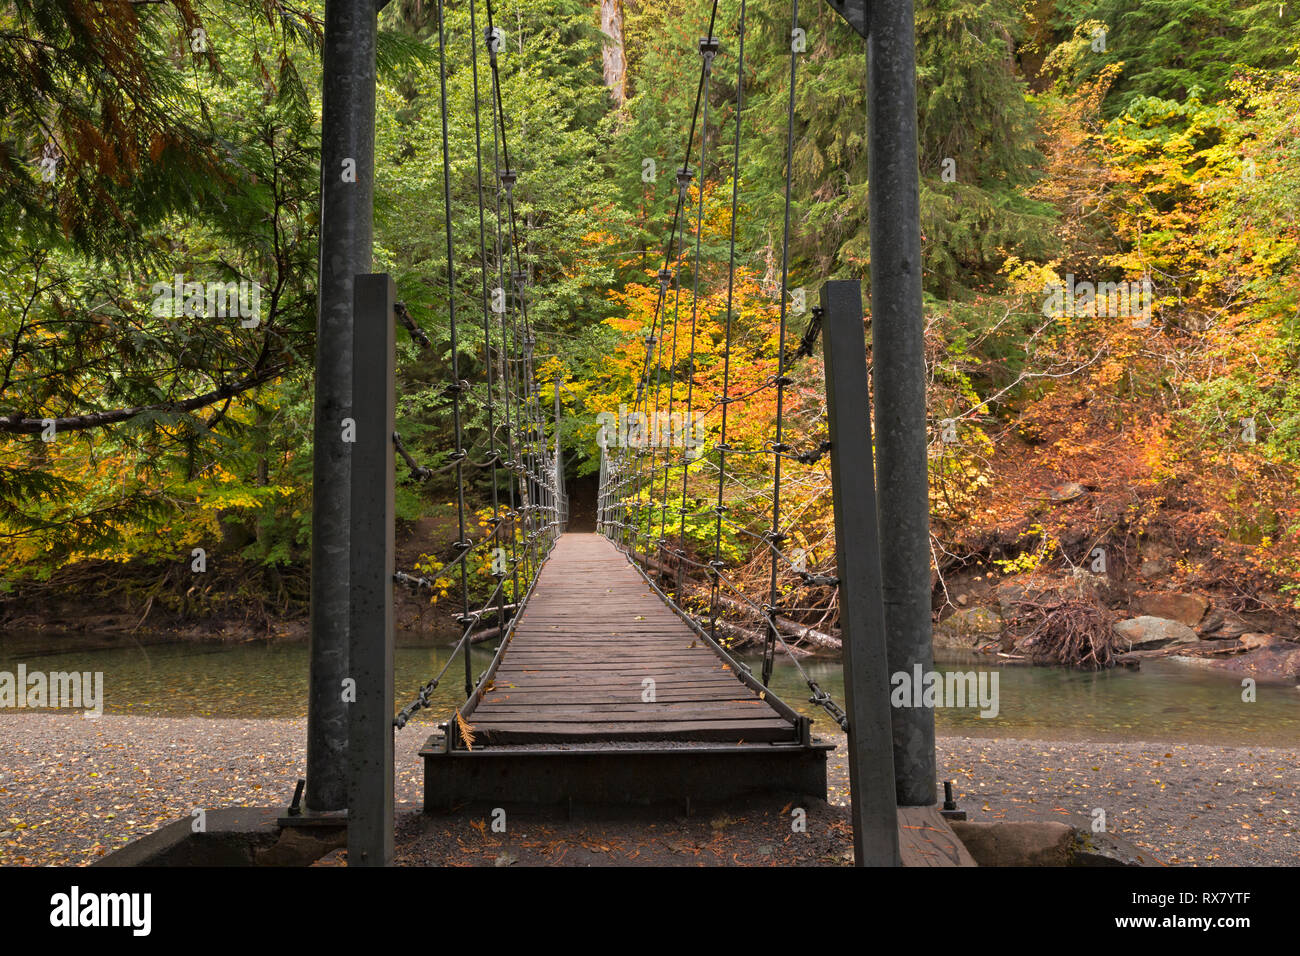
{"points": [[925, 839], [591, 638]]}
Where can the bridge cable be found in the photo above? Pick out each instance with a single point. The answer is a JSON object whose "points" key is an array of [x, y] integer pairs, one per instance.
{"points": [[769, 648], [457, 386], [529, 470], [708, 49], [498, 572], [673, 256], [722, 449], [625, 506]]}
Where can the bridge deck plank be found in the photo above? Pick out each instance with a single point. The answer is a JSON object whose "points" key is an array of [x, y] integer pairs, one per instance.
{"points": [[590, 637]]}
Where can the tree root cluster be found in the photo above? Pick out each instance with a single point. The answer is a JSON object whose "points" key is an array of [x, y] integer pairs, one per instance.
{"points": [[1074, 632]]}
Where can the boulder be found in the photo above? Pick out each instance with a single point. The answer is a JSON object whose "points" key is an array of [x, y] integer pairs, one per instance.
{"points": [[1048, 843], [1185, 608], [1148, 631], [1270, 658], [1219, 623], [1067, 491], [1011, 591]]}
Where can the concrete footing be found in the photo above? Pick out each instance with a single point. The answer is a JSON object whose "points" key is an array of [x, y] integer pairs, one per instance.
{"points": [[257, 836], [235, 836]]}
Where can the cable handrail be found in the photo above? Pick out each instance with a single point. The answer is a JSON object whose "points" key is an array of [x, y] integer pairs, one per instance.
{"points": [[527, 502], [633, 504]]}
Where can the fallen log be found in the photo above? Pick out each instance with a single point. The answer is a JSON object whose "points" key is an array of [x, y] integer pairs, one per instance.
{"points": [[478, 637], [756, 639], [789, 629], [1224, 646]]}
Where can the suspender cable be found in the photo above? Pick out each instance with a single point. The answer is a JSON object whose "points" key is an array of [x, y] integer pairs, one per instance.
{"points": [[725, 401], [686, 158], [497, 571], [670, 255], [654, 440], [458, 456], [623, 488], [530, 405], [527, 469], [683, 180], [506, 386], [775, 537], [708, 49]]}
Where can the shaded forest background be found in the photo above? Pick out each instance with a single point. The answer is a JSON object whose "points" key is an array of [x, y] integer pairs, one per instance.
{"points": [[1093, 142]]}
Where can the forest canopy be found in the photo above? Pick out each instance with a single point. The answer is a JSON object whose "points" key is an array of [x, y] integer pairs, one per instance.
{"points": [[158, 290]]}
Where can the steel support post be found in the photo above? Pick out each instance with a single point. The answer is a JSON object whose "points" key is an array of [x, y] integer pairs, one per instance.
{"points": [[898, 366], [370, 611], [347, 204], [857, 555]]}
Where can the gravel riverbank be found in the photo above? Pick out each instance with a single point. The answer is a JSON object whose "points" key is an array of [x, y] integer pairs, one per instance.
{"points": [[73, 789]]}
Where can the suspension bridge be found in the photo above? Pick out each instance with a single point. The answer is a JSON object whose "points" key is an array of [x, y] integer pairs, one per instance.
{"points": [[611, 680]]}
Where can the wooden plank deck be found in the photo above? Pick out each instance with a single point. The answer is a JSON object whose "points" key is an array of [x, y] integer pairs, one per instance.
{"points": [[563, 720], [590, 638]]}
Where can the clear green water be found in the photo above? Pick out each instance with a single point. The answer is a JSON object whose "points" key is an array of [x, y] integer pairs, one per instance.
{"points": [[1163, 702]]}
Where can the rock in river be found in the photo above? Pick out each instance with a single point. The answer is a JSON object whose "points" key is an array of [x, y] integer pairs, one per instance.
{"points": [[1175, 605], [1148, 631]]}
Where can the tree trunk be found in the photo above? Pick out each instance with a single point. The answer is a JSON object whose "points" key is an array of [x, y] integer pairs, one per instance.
{"points": [[613, 53]]}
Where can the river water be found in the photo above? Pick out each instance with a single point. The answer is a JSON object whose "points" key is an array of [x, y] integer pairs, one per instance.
{"points": [[1165, 701]]}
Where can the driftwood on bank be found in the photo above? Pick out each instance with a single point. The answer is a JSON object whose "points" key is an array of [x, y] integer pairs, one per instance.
{"points": [[1222, 647]]}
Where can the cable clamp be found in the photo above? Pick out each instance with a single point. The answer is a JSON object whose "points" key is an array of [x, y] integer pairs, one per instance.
{"points": [[508, 178], [684, 177]]}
